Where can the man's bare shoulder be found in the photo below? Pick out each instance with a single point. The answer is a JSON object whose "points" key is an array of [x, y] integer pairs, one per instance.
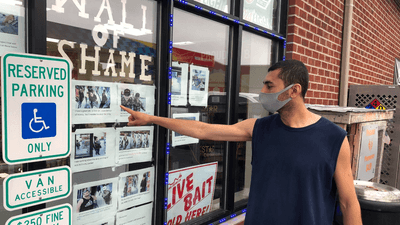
{"points": [[247, 125]]}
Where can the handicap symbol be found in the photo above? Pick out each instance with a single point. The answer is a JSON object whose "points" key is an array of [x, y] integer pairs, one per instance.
{"points": [[43, 122], [37, 120]]}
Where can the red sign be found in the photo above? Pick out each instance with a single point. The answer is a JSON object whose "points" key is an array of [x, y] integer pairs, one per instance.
{"points": [[190, 192], [196, 58]]}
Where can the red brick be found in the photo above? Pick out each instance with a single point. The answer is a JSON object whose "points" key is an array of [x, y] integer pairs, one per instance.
{"points": [[306, 25], [302, 32], [305, 42], [300, 49], [308, 52], [309, 35], [293, 10]]}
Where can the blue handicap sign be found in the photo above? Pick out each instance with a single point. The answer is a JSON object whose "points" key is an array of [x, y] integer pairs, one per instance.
{"points": [[38, 120]]}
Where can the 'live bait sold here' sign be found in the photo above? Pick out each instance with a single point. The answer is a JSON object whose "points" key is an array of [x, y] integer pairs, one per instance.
{"points": [[36, 187], [190, 192]]}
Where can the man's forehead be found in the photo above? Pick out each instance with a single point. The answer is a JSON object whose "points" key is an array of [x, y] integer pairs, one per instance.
{"points": [[272, 77]]}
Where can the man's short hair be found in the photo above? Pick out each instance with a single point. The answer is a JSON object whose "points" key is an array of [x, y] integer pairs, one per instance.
{"points": [[292, 72]]}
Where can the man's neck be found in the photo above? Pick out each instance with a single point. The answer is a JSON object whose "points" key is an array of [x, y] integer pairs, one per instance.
{"points": [[298, 116]]}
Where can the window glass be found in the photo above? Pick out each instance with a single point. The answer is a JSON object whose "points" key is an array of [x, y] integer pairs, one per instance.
{"points": [[198, 93], [258, 53], [112, 48], [12, 39], [264, 13], [222, 5]]}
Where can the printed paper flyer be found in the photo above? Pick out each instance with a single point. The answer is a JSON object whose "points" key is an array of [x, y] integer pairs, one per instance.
{"points": [[190, 192], [135, 188], [105, 221], [94, 102], [93, 200], [179, 83], [179, 139], [136, 97], [12, 27], [138, 215], [134, 144], [93, 149], [198, 88]]}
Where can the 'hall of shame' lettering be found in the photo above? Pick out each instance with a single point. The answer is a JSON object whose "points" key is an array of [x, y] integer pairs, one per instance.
{"points": [[100, 28]]}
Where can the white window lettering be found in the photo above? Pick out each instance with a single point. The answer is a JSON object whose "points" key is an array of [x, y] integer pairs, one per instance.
{"points": [[110, 64], [144, 8], [108, 7], [94, 59], [130, 63], [116, 37], [81, 8], [61, 49], [104, 35], [58, 7], [144, 67], [123, 23]]}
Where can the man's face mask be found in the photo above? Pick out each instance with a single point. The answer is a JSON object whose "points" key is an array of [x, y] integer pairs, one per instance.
{"points": [[270, 101]]}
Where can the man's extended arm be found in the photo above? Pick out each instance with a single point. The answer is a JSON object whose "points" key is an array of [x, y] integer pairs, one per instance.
{"points": [[242, 131], [344, 181]]}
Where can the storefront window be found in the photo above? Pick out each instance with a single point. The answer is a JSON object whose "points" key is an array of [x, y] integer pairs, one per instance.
{"points": [[12, 39], [111, 46], [264, 13], [258, 53], [222, 5], [199, 71]]}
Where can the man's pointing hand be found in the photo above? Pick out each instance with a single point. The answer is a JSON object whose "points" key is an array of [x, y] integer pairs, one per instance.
{"points": [[136, 118]]}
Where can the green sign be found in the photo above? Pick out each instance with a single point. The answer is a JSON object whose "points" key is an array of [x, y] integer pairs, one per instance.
{"points": [[36, 107], [60, 215], [36, 187]]}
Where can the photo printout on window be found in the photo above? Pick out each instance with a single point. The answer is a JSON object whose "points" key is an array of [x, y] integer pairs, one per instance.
{"points": [[179, 82], [198, 85], [134, 144], [93, 102], [136, 97], [92, 149], [135, 188], [94, 199], [179, 139]]}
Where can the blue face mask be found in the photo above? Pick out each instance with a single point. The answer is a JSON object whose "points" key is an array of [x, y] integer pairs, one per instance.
{"points": [[270, 101]]}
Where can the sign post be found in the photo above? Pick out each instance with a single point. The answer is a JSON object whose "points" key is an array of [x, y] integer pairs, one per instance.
{"points": [[36, 107]]}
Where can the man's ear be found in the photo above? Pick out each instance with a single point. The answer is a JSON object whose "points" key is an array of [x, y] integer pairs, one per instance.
{"points": [[296, 91]]}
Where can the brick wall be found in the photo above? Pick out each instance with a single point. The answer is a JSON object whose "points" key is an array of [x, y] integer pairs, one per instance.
{"points": [[375, 41], [315, 37]]}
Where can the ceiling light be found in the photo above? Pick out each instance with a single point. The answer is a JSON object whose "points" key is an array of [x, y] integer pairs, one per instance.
{"points": [[183, 43]]}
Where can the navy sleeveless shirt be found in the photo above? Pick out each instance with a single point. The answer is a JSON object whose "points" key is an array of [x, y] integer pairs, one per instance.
{"points": [[292, 173]]}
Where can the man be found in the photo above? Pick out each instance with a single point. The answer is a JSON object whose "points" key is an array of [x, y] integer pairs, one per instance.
{"points": [[92, 99], [143, 184], [299, 158], [80, 96], [126, 98], [124, 143], [106, 194], [137, 104], [103, 99], [87, 202], [96, 145]]}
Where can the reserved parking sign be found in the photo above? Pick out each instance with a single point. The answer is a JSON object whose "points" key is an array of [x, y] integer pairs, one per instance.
{"points": [[36, 107]]}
